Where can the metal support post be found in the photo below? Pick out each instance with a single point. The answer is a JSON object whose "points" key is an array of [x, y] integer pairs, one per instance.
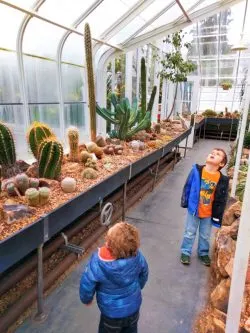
{"points": [[241, 139], [40, 315], [200, 133], [240, 265], [156, 174], [175, 154], [124, 201], [185, 152]]}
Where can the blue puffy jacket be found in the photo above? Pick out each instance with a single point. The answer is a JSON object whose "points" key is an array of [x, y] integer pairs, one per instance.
{"points": [[191, 195], [117, 284]]}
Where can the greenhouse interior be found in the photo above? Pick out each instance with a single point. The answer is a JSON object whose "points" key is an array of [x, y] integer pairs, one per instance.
{"points": [[114, 116]]}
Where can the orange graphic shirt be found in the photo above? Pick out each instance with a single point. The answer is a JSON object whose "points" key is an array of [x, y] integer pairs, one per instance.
{"points": [[208, 186]]}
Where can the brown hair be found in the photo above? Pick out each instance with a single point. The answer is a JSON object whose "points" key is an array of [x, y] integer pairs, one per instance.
{"points": [[224, 161], [123, 240]]}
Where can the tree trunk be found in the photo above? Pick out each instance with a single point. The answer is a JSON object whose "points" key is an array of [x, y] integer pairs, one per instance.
{"points": [[175, 96]]}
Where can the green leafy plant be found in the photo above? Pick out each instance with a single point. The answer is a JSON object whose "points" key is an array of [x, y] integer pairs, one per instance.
{"points": [[174, 67]]}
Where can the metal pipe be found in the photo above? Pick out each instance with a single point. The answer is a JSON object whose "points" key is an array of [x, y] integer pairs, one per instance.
{"points": [[183, 10], [185, 152], [40, 315], [124, 201], [156, 174]]}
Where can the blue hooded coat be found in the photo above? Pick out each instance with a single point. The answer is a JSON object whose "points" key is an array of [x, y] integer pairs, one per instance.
{"points": [[117, 284]]}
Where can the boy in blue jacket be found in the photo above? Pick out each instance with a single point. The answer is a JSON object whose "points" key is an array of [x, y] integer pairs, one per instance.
{"points": [[116, 273], [205, 196]]}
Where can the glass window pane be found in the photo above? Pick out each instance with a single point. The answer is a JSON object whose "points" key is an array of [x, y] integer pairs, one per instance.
{"points": [[23, 3], [42, 38], [204, 105], [41, 80], [72, 82], [9, 84], [74, 115], [115, 9], [209, 68], [10, 20], [12, 114], [73, 50], [47, 113], [203, 5], [64, 11]]}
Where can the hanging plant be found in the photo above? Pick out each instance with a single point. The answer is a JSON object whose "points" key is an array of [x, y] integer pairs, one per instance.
{"points": [[226, 85], [174, 67]]}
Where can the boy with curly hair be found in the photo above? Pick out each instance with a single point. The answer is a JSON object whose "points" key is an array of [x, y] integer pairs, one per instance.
{"points": [[116, 273]]}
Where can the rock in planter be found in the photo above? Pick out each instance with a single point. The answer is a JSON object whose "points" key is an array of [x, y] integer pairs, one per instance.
{"points": [[226, 251], [32, 171], [232, 213], [220, 295], [234, 229], [247, 325], [219, 326], [68, 185], [229, 267]]}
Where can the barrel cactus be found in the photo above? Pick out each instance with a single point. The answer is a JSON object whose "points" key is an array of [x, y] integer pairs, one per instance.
{"points": [[68, 185], [91, 164], [34, 182], [22, 183], [32, 196], [11, 188], [50, 159], [84, 155], [89, 173], [73, 136], [44, 193], [36, 134], [7, 147]]}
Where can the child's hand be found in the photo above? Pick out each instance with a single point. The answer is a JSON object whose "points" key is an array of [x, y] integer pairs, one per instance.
{"points": [[89, 304]]}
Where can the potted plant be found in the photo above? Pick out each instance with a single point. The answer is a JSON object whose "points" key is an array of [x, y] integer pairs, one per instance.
{"points": [[226, 85]]}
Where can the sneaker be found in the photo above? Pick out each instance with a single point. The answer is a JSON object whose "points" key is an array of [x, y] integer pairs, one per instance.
{"points": [[185, 259], [205, 260]]}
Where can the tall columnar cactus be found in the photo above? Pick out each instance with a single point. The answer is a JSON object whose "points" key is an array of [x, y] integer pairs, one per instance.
{"points": [[143, 87], [7, 147], [91, 83], [36, 134], [73, 136], [50, 158]]}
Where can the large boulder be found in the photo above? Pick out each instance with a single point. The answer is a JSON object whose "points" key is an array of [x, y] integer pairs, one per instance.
{"points": [[234, 228], [232, 213], [220, 295], [218, 326], [226, 251]]}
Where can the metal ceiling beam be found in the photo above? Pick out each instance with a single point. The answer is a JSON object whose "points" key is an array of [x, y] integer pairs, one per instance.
{"points": [[45, 19], [178, 24], [183, 10]]}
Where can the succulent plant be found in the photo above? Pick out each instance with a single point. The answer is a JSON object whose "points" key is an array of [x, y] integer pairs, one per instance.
{"points": [[89, 173], [129, 120], [84, 155], [32, 195], [7, 147], [73, 136], [113, 149], [44, 193], [91, 146], [50, 158], [209, 113], [91, 164], [22, 182], [11, 189], [36, 134], [98, 152], [68, 185], [91, 83], [157, 128], [100, 141], [34, 182]]}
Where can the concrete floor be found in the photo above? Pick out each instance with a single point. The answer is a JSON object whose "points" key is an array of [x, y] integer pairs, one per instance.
{"points": [[174, 293]]}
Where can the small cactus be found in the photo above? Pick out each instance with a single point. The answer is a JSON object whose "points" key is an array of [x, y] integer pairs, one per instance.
{"points": [[84, 155], [91, 147], [98, 152], [44, 193], [157, 128], [100, 141], [89, 173], [68, 185], [7, 147], [22, 182], [73, 136], [32, 196], [11, 189], [91, 164], [36, 134], [50, 158], [34, 182]]}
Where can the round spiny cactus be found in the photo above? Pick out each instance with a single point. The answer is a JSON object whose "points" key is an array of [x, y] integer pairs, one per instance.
{"points": [[68, 185], [89, 173], [50, 158], [32, 196], [7, 146], [44, 193], [22, 182], [36, 134]]}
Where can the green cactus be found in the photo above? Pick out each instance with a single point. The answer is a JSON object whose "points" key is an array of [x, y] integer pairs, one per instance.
{"points": [[22, 182], [44, 193], [7, 147], [129, 120], [89, 173], [36, 134], [84, 155], [11, 189], [91, 83], [91, 164], [32, 196], [34, 182], [73, 136], [50, 159]]}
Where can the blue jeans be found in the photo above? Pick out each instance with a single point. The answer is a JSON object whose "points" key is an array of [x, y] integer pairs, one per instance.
{"points": [[205, 227], [119, 325]]}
